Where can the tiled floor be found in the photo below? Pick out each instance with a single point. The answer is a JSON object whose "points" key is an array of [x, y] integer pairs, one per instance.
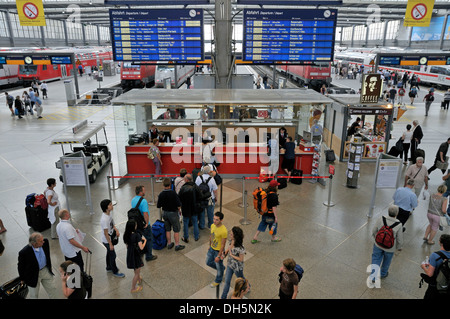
{"points": [[333, 244]]}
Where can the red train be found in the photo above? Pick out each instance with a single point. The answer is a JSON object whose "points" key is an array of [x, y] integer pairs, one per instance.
{"points": [[87, 57], [137, 76], [313, 76]]}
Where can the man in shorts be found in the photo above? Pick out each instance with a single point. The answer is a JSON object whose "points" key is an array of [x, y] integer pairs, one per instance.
{"points": [[170, 203]]}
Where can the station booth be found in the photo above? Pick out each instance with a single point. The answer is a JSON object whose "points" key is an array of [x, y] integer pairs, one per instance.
{"points": [[376, 125], [237, 122]]}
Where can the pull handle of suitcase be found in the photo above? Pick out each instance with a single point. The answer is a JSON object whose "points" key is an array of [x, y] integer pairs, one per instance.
{"points": [[88, 262]]}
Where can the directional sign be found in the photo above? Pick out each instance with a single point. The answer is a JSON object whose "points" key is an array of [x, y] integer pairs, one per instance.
{"points": [[418, 13]]}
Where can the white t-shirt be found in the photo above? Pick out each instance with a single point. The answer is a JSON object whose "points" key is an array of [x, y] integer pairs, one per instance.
{"points": [[65, 232], [408, 136], [106, 222]]}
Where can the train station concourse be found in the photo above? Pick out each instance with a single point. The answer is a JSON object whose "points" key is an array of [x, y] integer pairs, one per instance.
{"points": [[348, 82]]}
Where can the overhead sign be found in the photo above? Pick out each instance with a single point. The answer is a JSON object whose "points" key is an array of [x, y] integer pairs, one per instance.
{"points": [[418, 13], [174, 35], [372, 85], [406, 60], [289, 35], [31, 12]]}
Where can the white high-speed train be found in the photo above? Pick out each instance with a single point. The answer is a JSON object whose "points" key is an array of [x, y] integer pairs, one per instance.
{"points": [[437, 75], [176, 73]]}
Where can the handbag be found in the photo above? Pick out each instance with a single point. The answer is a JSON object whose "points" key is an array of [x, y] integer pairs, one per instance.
{"points": [[444, 221], [114, 238], [14, 289]]}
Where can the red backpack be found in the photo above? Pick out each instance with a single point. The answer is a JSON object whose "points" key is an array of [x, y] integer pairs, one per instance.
{"points": [[41, 200], [385, 237]]}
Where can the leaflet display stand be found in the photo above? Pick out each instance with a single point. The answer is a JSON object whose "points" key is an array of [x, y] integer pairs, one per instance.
{"points": [[354, 162]]}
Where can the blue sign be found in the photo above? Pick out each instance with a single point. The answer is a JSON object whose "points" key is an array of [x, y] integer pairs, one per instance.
{"points": [[174, 35], [2, 60], [289, 35], [61, 60], [390, 60]]}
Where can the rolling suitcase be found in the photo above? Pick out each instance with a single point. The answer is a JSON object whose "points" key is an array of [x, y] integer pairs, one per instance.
{"points": [[329, 156], [37, 218], [296, 173], [14, 289], [86, 275], [283, 183], [418, 153], [394, 151]]}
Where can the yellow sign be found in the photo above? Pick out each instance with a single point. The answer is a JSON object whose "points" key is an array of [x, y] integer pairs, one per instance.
{"points": [[418, 13], [31, 12]]}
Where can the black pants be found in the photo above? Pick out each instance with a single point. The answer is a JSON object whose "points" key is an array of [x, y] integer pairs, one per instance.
{"points": [[78, 259], [432, 168], [405, 151], [403, 216]]}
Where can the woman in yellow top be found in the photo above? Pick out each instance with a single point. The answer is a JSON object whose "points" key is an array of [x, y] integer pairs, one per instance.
{"points": [[217, 241]]}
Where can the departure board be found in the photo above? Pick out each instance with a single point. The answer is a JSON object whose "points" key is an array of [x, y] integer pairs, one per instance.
{"points": [[157, 35], [289, 35]]}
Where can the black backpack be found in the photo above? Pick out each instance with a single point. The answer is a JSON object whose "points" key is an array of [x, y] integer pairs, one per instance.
{"points": [[204, 190], [136, 215], [443, 274]]}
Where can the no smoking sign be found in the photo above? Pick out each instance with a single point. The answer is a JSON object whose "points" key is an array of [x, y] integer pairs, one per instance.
{"points": [[30, 10], [419, 11]]}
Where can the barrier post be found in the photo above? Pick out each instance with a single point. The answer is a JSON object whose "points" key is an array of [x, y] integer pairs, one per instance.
{"points": [[245, 221], [152, 203], [241, 204], [109, 191], [330, 184]]}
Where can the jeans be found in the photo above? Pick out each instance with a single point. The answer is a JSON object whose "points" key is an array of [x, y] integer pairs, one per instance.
{"points": [[210, 256], [381, 258], [147, 232], [111, 259], [210, 213], [228, 275], [157, 166], [447, 194], [186, 220]]}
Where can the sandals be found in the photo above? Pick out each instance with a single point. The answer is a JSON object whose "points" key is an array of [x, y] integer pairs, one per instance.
{"points": [[254, 241], [276, 240], [139, 288], [430, 242]]}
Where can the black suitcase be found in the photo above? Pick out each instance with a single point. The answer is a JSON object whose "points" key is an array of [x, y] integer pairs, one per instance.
{"points": [[283, 183], [297, 173], [394, 151], [37, 218], [329, 156], [86, 275], [14, 289], [418, 153]]}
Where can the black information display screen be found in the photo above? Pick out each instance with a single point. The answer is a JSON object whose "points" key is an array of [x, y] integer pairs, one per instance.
{"points": [[157, 35], [289, 35]]}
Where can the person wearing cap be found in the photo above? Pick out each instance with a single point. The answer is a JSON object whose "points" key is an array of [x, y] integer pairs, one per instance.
{"points": [[269, 219]]}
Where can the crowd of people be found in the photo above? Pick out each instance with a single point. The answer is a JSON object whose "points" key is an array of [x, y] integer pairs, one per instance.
{"points": [[29, 102]]}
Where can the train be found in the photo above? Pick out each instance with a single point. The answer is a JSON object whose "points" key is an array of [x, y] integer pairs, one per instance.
{"points": [[85, 57], [434, 75], [177, 74], [314, 75], [137, 75], [9, 75], [148, 75]]}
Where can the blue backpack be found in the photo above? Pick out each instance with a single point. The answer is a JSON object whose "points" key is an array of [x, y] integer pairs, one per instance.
{"points": [[299, 271], [159, 235]]}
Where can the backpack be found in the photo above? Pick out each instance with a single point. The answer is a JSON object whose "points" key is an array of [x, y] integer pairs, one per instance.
{"points": [[135, 214], [204, 189], [260, 201], [159, 235], [299, 271], [430, 98], [385, 237], [443, 274], [10, 99], [40, 200], [30, 199]]}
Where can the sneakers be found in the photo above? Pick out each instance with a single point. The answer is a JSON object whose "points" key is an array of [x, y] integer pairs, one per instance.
{"points": [[119, 275], [153, 257], [159, 180], [179, 247], [214, 284]]}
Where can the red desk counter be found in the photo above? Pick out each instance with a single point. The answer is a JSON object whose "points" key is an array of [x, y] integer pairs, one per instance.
{"points": [[235, 160]]}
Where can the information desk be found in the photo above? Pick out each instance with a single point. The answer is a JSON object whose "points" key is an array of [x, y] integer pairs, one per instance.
{"points": [[238, 159]]}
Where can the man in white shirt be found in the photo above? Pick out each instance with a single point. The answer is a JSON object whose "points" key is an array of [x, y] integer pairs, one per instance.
{"points": [[108, 228], [70, 239], [207, 173]]}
